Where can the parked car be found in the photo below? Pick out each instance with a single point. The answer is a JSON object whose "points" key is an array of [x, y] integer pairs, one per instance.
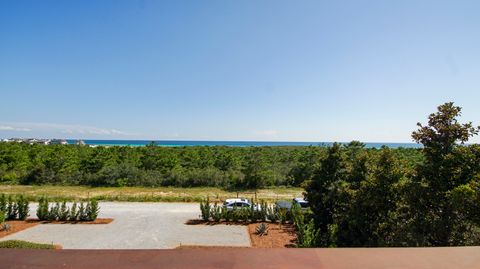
{"points": [[304, 205], [238, 203], [288, 204]]}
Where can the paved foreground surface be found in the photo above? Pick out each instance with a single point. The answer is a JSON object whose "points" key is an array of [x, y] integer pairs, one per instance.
{"points": [[137, 226], [408, 258]]}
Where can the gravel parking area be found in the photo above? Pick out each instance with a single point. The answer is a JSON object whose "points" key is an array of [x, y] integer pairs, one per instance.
{"points": [[137, 226]]}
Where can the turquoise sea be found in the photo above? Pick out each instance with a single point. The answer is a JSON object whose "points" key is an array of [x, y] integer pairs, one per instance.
{"points": [[182, 143]]}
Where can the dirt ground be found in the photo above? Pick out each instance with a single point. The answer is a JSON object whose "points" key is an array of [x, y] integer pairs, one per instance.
{"points": [[17, 226], [97, 221], [277, 236], [20, 225]]}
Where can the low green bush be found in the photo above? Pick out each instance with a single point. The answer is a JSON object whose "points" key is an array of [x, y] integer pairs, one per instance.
{"points": [[92, 210], [73, 214], [24, 245], [42, 210], [22, 208], [64, 212]]}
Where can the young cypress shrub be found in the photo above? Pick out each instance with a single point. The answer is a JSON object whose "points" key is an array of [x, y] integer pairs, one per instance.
{"points": [[82, 216], [11, 209], [205, 209], [53, 213], [42, 210], [63, 212], [73, 216], [23, 207], [2, 217], [3, 203], [216, 213], [92, 210]]}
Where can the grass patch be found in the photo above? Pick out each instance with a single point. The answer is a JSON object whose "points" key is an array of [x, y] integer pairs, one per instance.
{"points": [[145, 194], [24, 245]]}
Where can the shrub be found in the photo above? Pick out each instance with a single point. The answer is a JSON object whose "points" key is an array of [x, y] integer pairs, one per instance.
{"points": [[12, 210], [272, 214], [262, 229], [3, 203], [263, 211], [53, 212], [216, 213], [42, 210], [24, 245], [63, 212], [307, 235], [205, 209], [22, 207], [2, 217], [92, 210], [73, 214], [82, 214]]}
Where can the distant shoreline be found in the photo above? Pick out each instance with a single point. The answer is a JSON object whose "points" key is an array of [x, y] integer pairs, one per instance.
{"points": [[182, 143]]}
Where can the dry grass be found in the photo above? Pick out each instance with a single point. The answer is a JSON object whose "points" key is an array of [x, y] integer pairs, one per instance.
{"points": [[144, 194]]}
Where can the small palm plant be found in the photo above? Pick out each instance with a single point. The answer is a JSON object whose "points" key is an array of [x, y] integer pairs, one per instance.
{"points": [[262, 229]]}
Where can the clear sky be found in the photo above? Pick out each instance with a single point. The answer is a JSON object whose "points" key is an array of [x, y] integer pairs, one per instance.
{"points": [[235, 70]]}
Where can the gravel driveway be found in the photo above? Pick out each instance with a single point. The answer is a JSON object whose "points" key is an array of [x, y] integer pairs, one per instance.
{"points": [[137, 226]]}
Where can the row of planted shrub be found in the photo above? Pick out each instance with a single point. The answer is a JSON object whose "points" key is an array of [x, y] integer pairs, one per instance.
{"points": [[62, 212], [302, 221], [13, 207], [256, 212]]}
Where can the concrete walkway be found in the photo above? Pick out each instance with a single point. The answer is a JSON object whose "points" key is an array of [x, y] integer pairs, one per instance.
{"points": [[137, 226]]}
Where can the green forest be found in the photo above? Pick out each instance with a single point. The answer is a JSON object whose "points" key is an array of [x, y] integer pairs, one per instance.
{"points": [[154, 166], [359, 196]]}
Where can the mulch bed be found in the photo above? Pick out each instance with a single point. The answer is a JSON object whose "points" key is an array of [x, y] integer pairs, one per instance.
{"points": [[20, 225], [278, 236], [17, 226], [97, 221]]}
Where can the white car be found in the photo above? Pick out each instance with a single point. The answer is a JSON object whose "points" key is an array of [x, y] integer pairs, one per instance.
{"points": [[238, 203], [302, 203]]}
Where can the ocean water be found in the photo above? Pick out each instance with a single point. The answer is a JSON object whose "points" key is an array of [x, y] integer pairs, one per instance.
{"points": [[181, 143]]}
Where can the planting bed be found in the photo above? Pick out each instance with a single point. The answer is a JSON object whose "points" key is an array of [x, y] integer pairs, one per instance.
{"points": [[278, 236], [20, 225], [97, 221], [17, 226]]}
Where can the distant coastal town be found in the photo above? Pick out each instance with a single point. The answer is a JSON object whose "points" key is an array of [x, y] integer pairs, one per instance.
{"points": [[42, 141]]}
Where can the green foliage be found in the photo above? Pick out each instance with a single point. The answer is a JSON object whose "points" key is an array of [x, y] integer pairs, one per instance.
{"points": [[63, 212], [54, 212], [272, 214], [92, 209], [3, 203], [24, 245], [22, 207], [42, 210], [73, 212], [82, 213], [2, 217], [216, 213], [386, 197], [205, 209], [12, 210], [261, 229]]}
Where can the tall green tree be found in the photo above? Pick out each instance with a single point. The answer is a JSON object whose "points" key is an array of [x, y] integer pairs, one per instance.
{"points": [[323, 193], [434, 220]]}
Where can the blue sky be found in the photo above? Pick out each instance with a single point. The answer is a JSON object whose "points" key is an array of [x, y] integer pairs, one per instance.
{"points": [[235, 70]]}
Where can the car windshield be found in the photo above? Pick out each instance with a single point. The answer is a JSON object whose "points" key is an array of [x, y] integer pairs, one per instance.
{"points": [[304, 204]]}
